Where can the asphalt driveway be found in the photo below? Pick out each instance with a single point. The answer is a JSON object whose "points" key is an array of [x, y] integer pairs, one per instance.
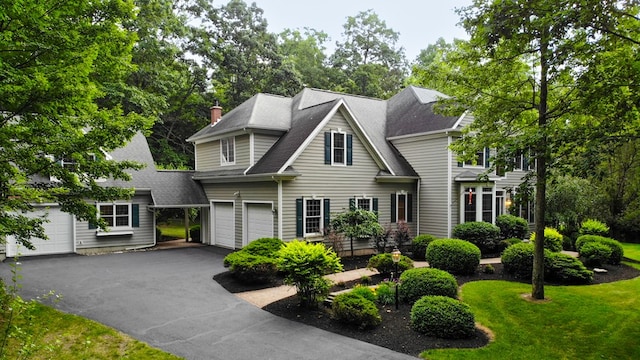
{"points": [[167, 298]]}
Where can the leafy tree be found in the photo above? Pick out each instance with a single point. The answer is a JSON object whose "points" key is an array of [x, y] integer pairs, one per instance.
{"points": [[306, 52], [61, 66], [357, 224], [242, 55], [570, 200], [374, 66], [518, 75]]}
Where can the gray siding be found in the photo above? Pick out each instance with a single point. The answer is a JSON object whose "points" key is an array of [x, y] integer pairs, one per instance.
{"points": [[208, 154], [86, 238], [248, 192], [428, 156], [338, 183], [261, 144]]}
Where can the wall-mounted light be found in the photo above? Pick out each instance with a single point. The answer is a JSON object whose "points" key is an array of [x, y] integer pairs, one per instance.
{"points": [[508, 203], [236, 194]]}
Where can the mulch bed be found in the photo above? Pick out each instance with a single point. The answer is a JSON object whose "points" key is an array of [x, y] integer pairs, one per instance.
{"points": [[395, 332]]}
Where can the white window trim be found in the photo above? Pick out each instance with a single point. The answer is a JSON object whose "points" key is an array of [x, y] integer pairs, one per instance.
{"points": [[478, 191], [304, 216], [116, 230], [223, 158], [344, 149], [370, 199], [406, 210]]}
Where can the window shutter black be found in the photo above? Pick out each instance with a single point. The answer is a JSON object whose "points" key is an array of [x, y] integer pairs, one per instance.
{"points": [[393, 208], [487, 154], [327, 148], [349, 149], [299, 215], [327, 213], [460, 164], [525, 161], [375, 205], [135, 215], [352, 203], [409, 207]]}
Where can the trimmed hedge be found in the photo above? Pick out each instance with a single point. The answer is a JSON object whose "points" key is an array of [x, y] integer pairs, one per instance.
{"points": [[264, 246], [558, 267], [419, 245], [484, 235], [251, 269], [443, 317], [593, 227], [552, 239], [617, 252], [595, 253], [512, 226], [456, 256], [416, 283], [385, 265], [353, 309]]}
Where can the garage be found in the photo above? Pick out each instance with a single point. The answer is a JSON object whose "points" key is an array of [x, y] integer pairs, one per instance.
{"points": [[223, 224], [258, 221], [59, 229]]}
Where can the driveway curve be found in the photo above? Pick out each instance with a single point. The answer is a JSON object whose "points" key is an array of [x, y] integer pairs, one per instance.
{"points": [[167, 298]]}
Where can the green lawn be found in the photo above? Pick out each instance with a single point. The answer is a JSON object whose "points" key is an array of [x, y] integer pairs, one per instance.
{"points": [[631, 251], [172, 230], [578, 322], [64, 336]]}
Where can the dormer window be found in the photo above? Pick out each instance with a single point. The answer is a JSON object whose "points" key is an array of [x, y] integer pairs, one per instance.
{"points": [[228, 151], [338, 147]]}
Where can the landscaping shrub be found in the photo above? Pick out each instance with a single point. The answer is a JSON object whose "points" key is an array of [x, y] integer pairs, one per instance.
{"points": [[416, 283], [512, 226], [595, 254], [251, 269], [365, 291], [385, 265], [594, 227], [567, 243], [350, 308], [518, 260], [194, 233], [264, 246], [453, 255], [617, 252], [488, 269], [552, 239], [510, 241], [419, 245], [443, 317], [484, 235], [304, 265], [386, 292], [565, 269]]}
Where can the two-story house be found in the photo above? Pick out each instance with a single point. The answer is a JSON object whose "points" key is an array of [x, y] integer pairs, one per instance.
{"points": [[280, 166]]}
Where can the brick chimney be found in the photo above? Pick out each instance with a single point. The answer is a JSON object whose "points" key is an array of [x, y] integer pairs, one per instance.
{"points": [[216, 114]]}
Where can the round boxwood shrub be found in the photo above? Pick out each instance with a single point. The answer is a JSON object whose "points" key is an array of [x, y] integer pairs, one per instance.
{"points": [[617, 252], [595, 253], [443, 317], [593, 227], [385, 265], [552, 239], [419, 245], [484, 235], [518, 260], [453, 255], [565, 269], [353, 309], [512, 226], [264, 246], [416, 283]]}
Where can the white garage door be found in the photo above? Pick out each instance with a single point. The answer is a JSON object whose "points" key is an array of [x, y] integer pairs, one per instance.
{"points": [[223, 225], [59, 229], [259, 222]]}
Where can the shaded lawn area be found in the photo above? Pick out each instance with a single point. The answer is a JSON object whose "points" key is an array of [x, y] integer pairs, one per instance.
{"points": [[576, 322], [173, 230], [631, 251], [57, 335]]}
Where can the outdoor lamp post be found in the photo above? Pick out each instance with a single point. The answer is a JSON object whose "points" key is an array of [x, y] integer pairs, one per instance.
{"points": [[395, 256]]}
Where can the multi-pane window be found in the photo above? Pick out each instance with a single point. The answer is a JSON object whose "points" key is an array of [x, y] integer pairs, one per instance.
{"points": [[401, 207], [469, 200], [479, 160], [364, 203], [312, 216], [338, 148], [228, 151], [477, 204], [116, 215], [500, 206]]}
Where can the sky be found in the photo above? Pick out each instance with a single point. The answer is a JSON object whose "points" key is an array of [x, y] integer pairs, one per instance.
{"points": [[419, 23]]}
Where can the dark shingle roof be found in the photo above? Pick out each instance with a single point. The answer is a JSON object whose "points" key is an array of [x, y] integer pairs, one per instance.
{"points": [[411, 112]]}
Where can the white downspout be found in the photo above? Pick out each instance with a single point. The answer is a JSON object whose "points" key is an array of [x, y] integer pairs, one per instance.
{"points": [[449, 184], [279, 208], [418, 209]]}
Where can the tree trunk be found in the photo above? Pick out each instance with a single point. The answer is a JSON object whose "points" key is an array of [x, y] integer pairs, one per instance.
{"points": [[537, 281]]}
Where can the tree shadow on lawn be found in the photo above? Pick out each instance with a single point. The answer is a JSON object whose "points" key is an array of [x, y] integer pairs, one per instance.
{"points": [[395, 332]]}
